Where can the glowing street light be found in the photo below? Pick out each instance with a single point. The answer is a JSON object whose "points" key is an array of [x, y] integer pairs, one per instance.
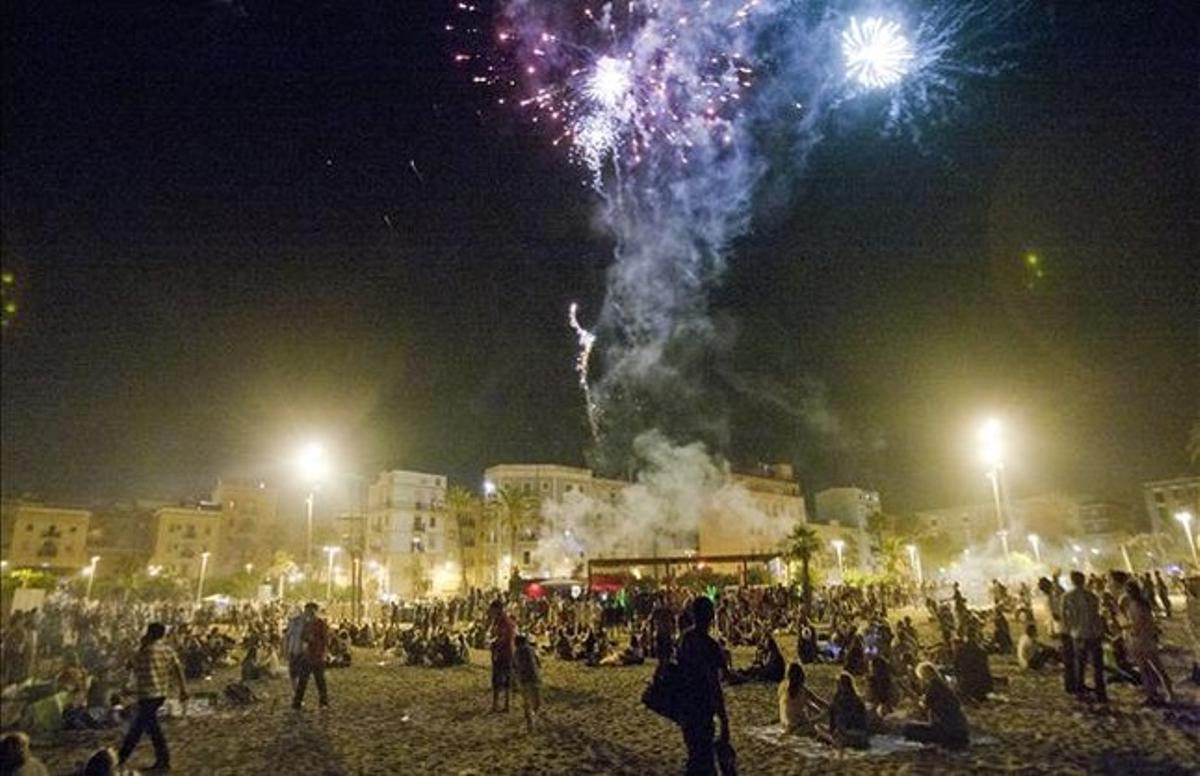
{"points": [[90, 571], [914, 560], [991, 442], [313, 466], [330, 551], [203, 570], [1036, 543], [838, 546], [1185, 519]]}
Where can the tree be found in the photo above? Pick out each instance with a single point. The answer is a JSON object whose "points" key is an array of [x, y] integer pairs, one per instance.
{"points": [[801, 544], [515, 512], [463, 508]]}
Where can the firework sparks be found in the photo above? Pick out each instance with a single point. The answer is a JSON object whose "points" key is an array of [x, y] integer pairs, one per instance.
{"points": [[876, 51], [587, 341], [667, 104]]}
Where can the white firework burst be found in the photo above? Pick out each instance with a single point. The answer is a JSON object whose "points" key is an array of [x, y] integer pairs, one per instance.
{"points": [[877, 52]]}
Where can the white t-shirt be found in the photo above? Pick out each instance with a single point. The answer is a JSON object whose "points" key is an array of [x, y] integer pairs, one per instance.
{"points": [[1026, 647]]}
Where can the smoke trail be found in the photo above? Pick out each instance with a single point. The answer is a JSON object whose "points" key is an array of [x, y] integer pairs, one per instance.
{"points": [[582, 365]]}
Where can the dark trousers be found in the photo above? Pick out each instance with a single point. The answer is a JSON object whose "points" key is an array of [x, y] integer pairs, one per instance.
{"points": [[146, 721], [698, 737], [934, 734], [317, 671], [1090, 651], [1070, 670]]}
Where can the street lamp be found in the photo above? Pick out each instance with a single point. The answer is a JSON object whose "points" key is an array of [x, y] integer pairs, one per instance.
{"points": [[1036, 542], [90, 570], [203, 569], [991, 439], [838, 546], [914, 560], [330, 551], [313, 466], [1185, 519]]}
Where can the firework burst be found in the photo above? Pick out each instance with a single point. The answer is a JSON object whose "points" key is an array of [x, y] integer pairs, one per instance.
{"points": [[877, 52]]}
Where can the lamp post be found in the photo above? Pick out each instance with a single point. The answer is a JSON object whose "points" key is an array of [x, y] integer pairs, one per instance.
{"points": [[914, 560], [1036, 542], [313, 466], [91, 575], [838, 546], [203, 569], [1185, 519], [330, 551], [991, 438]]}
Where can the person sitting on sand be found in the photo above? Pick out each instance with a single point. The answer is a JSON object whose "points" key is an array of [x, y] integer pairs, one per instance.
{"points": [[848, 715], [16, 758], [945, 724], [854, 658], [1002, 643], [563, 648], [971, 670], [768, 665], [798, 705], [882, 692], [102, 763], [633, 654], [806, 646], [1032, 655]]}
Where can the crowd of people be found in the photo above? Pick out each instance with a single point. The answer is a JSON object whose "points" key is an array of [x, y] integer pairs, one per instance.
{"points": [[889, 678]]}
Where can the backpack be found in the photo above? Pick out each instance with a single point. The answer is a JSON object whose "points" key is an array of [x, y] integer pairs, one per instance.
{"points": [[666, 695]]}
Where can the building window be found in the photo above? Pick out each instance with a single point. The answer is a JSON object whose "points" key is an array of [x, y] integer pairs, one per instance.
{"points": [[432, 522], [525, 557]]}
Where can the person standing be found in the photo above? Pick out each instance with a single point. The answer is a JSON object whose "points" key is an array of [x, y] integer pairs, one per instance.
{"points": [[294, 641], [154, 666], [700, 664], [1191, 589], [315, 638], [1163, 592], [504, 634], [1081, 618], [527, 669], [1054, 593]]}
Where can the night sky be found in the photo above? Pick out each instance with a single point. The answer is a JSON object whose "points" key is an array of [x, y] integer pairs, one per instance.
{"points": [[238, 225]]}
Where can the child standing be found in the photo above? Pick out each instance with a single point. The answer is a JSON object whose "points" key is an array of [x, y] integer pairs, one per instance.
{"points": [[528, 671]]}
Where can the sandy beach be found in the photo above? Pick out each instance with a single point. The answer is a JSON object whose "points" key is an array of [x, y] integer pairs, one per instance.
{"points": [[387, 718]]}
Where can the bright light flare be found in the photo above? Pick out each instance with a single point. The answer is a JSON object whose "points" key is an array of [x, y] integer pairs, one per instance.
{"points": [[991, 443], [877, 52], [312, 462], [610, 82]]}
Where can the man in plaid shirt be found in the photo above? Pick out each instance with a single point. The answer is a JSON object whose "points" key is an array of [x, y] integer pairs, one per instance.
{"points": [[154, 665]]}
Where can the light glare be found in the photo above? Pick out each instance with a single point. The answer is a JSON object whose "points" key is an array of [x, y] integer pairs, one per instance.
{"points": [[877, 53]]}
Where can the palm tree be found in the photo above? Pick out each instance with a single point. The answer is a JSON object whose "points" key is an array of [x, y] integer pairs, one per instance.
{"points": [[463, 507], [515, 513], [801, 544]]}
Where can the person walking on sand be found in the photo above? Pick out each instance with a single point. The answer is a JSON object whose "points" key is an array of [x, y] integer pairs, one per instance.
{"points": [[154, 666], [527, 669], [1081, 617], [700, 664], [315, 638], [504, 633]]}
